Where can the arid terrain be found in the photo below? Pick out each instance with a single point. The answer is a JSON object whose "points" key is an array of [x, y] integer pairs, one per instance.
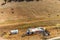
{"points": [[27, 11], [22, 15], [54, 32]]}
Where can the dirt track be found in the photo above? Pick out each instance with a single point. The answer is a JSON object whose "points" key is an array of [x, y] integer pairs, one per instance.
{"points": [[19, 23]]}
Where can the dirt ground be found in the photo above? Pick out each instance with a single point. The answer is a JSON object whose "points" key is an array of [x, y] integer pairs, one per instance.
{"points": [[43, 10], [2, 38], [54, 32]]}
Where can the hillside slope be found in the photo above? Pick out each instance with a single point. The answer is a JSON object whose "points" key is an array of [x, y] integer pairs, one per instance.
{"points": [[27, 11]]}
